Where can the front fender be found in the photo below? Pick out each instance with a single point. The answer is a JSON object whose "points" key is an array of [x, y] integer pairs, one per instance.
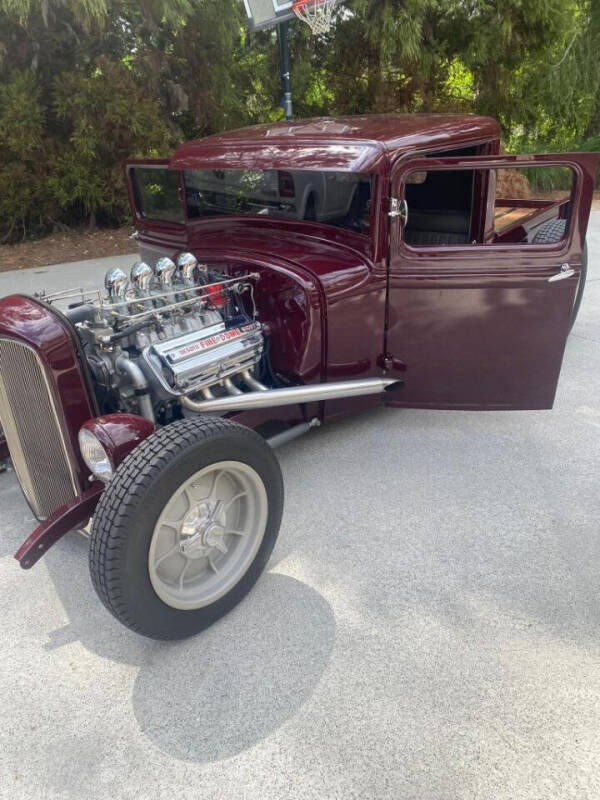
{"points": [[119, 434], [75, 514]]}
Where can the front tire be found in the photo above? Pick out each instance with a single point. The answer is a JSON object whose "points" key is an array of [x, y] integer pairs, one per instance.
{"points": [[186, 527]]}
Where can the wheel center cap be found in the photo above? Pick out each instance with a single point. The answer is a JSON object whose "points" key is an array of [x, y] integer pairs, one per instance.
{"points": [[213, 535], [202, 535]]}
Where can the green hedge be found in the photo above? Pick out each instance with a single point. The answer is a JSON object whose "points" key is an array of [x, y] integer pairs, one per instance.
{"points": [[86, 84]]}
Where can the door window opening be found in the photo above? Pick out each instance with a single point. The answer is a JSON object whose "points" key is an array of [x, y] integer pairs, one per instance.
{"points": [[527, 205]]}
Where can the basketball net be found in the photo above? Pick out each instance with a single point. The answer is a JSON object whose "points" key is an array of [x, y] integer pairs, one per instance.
{"points": [[318, 14]]}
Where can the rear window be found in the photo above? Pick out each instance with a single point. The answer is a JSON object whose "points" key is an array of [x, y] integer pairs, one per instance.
{"points": [[157, 193], [340, 199]]}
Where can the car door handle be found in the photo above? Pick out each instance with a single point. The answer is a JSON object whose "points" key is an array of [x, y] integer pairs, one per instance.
{"points": [[566, 271]]}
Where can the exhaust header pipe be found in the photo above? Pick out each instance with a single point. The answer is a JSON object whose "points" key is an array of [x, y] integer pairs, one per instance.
{"points": [[294, 394]]}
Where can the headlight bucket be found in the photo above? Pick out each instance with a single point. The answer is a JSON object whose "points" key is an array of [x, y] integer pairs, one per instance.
{"points": [[95, 456], [106, 441]]}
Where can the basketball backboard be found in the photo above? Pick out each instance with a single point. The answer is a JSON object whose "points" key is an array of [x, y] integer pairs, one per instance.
{"points": [[268, 13]]}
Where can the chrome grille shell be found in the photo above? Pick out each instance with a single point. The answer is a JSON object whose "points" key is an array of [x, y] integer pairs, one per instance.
{"points": [[35, 430]]}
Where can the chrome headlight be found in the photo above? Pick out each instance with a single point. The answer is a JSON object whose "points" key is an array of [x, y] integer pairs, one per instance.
{"points": [[95, 456]]}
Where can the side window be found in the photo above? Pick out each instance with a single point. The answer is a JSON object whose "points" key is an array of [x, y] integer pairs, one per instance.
{"points": [[532, 205], [157, 194], [487, 206]]}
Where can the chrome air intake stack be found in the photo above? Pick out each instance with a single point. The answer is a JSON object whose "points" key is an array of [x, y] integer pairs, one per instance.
{"points": [[142, 277], [164, 270], [116, 284], [187, 264]]}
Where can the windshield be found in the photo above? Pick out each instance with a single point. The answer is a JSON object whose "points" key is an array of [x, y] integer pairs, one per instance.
{"points": [[340, 199]]}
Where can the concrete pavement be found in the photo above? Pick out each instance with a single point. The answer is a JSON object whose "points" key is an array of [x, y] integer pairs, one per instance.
{"points": [[429, 628]]}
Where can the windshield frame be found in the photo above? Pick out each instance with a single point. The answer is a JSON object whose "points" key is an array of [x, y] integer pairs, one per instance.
{"points": [[325, 230]]}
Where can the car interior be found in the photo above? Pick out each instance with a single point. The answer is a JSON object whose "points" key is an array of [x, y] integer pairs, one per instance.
{"points": [[440, 204]]}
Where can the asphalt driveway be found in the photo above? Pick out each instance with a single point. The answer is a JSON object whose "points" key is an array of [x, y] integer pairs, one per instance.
{"points": [[429, 628]]}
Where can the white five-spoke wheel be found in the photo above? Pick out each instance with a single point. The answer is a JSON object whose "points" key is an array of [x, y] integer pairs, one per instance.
{"points": [[186, 526], [208, 535]]}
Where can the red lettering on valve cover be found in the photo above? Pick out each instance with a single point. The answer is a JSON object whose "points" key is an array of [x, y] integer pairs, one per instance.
{"points": [[208, 342]]}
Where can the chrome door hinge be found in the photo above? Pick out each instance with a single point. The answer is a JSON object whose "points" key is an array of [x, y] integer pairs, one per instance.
{"points": [[566, 271], [398, 208]]}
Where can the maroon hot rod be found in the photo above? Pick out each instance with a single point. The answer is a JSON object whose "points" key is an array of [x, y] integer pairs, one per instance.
{"points": [[290, 274]]}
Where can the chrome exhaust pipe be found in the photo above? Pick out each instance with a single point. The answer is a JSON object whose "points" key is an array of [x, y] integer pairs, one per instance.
{"points": [[231, 388], [294, 394], [138, 380], [251, 381]]}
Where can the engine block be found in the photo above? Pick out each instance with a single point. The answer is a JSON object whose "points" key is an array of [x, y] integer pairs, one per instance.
{"points": [[166, 332]]}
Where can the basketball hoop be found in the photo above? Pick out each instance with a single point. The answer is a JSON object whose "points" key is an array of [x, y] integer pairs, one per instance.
{"points": [[318, 14]]}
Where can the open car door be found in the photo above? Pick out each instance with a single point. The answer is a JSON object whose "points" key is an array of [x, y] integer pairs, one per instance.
{"points": [[159, 213], [483, 274]]}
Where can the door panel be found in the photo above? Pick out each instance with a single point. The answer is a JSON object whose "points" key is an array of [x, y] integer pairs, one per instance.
{"points": [[479, 326]]}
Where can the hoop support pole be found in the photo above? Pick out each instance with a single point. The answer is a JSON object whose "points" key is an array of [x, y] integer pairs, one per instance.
{"points": [[283, 35]]}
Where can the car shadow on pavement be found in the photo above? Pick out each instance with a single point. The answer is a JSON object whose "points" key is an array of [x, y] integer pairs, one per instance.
{"points": [[218, 693], [211, 696], [214, 696]]}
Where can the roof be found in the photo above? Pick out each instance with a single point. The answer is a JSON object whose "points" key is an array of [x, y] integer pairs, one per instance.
{"points": [[352, 144]]}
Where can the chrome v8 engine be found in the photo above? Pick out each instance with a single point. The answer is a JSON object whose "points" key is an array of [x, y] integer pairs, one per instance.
{"points": [[162, 333], [203, 358]]}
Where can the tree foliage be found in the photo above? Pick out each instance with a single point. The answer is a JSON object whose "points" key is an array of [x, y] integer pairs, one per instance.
{"points": [[84, 84]]}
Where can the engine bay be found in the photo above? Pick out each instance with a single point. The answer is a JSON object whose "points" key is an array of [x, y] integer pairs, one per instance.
{"points": [[162, 333]]}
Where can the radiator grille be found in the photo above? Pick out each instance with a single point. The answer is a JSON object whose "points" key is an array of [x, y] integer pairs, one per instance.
{"points": [[40, 455]]}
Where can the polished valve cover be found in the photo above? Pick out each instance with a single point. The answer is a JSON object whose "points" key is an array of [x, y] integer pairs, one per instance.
{"points": [[203, 358]]}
